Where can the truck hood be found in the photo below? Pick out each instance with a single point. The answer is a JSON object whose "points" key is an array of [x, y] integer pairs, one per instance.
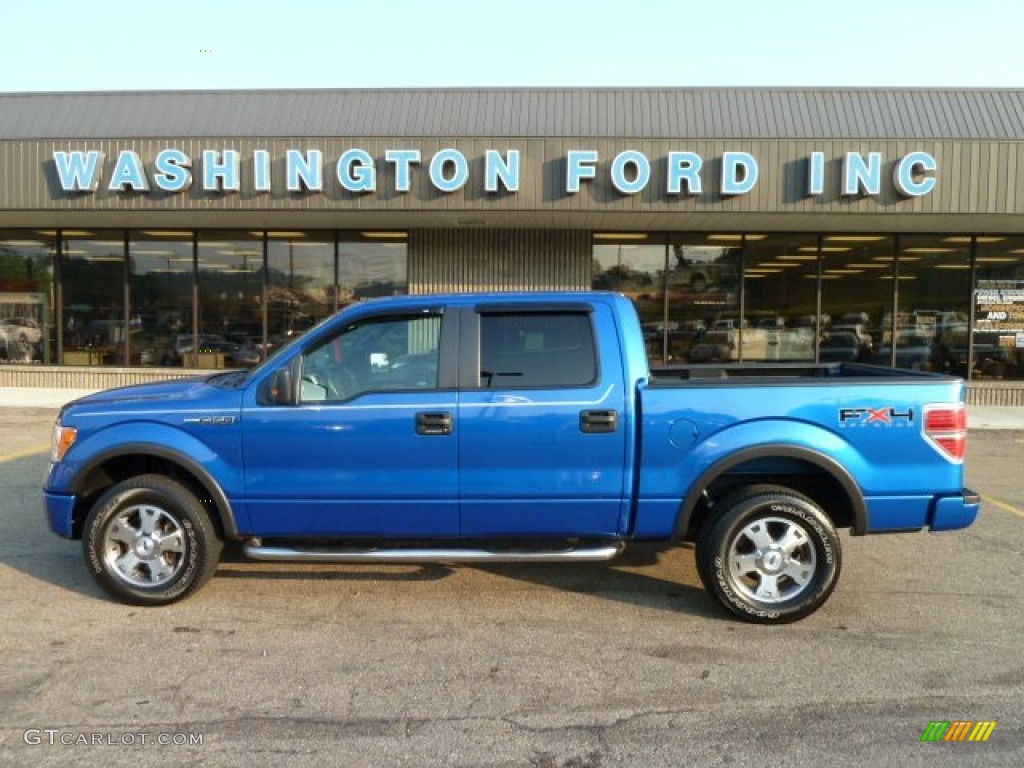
{"points": [[171, 394]]}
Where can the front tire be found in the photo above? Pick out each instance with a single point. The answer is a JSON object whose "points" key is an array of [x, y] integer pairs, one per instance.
{"points": [[770, 556], [148, 541]]}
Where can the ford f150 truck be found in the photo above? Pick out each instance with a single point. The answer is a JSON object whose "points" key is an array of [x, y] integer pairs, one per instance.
{"points": [[506, 428]]}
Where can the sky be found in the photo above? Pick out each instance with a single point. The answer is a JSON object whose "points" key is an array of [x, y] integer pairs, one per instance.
{"points": [[76, 45]]}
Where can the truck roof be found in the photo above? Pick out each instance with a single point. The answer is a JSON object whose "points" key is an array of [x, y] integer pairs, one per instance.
{"points": [[464, 299]]}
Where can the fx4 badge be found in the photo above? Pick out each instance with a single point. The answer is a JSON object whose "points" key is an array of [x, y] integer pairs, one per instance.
{"points": [[886, 416]]}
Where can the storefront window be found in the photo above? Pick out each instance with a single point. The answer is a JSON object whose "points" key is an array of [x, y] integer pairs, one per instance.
{"points": [[905, 299], [92, 273], [933, 303], [26, 297], [231, 300], [780, 297], [703, 297], [856, 298], [634, 264], [160, 274], [999, 308], [301, 289], [371, 264]]}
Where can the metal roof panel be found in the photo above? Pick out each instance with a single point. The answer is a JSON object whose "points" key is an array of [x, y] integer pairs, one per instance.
{"points": [[642, 113]]}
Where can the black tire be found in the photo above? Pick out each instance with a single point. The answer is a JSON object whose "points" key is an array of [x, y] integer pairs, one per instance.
{"points": [[148, 541], [786, 575]]}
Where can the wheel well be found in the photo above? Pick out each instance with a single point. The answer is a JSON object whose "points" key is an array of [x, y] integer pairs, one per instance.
{"points": [[804, 477], [119, 468]]}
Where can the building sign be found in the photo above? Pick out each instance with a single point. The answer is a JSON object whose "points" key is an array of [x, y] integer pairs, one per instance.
{"points": [[629, 172], [999, 308]]}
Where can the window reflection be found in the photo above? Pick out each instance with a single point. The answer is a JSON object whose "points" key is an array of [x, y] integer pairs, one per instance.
{"points": [[780, 300], [160, 274], [999, 308], [301, 290], [628, 265], [931, 328], [687, 288], [371, 264], [92, 272], [856, 298], [230, 323], [26, 297], [703, 297]]}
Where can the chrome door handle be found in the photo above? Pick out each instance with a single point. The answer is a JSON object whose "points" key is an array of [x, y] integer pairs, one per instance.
{"points": [[434, 423]]}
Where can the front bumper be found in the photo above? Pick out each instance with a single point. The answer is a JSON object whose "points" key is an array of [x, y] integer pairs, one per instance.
{"points": [[60, 513], [954, 512]]}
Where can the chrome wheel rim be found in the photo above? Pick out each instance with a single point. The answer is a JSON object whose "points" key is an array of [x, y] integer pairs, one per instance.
{"points": [[144, 546], [772, 560]]}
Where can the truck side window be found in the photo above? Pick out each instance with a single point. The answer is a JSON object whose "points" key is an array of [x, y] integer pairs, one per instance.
{"points": [[537, 349], [373, 355]]}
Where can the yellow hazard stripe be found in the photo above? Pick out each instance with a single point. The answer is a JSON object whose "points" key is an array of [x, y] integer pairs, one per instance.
{"points": [[32, 451], [982, 730], [1003, 505]]}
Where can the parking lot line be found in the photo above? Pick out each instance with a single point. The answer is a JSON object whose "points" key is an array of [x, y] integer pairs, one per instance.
{"points": [[1002, 505], [31, 451]]}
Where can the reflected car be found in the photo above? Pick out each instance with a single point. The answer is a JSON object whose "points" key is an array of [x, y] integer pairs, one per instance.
{"points": [[245, 355], [729, 324], [14, 350], [152, 356], [912, 357], [857, 329], [693, 326], [714, 347], [841, 347], [655, 329], [235, 355], [809, 321], [22, 329], [153, 349]]}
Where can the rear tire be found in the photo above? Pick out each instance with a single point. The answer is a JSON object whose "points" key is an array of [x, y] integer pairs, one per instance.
{"points": [[770, 555], [148, 541]]}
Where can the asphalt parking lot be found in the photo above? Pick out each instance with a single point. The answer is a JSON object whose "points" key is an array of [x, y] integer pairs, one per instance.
{"points": [[625, 664]]}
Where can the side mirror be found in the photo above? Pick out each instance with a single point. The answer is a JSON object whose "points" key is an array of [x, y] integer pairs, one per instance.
{"points": [[281, 387]]}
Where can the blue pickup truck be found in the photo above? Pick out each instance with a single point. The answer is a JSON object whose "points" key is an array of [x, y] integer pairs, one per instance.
{"points": [[479, 428]]}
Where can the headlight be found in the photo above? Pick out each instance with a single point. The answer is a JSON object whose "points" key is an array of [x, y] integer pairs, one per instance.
{"points": [[62, 440]]}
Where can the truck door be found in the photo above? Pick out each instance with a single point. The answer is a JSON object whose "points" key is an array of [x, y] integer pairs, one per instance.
{"points": [[369, 449], [542, 432]]}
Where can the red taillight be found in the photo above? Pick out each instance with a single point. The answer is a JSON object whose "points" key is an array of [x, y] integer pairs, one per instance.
{"points": [[946, 427], [945, 418]]}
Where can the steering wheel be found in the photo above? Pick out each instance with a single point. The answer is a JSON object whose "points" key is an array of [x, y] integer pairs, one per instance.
{"points": [[342, 383]]}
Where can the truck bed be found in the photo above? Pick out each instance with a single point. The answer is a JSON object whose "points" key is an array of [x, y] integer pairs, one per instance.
{"points": [[866, 418]]}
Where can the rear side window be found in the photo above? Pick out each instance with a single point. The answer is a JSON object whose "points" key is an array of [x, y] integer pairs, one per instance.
{"points": [[537, 349]]}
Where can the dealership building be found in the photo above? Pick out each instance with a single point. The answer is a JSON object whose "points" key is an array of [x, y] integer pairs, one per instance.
{"points": [[151, 234]]}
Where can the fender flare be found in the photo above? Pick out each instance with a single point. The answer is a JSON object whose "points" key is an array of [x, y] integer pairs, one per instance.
{"points": [[770, 451], [225, 512]]}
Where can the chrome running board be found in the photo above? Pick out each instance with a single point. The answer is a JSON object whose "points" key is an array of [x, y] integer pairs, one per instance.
{"points": [[381, 555]]}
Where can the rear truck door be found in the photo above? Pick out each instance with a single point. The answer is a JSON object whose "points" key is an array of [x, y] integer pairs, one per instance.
{"points": [[369, 448], [542, 428]]}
